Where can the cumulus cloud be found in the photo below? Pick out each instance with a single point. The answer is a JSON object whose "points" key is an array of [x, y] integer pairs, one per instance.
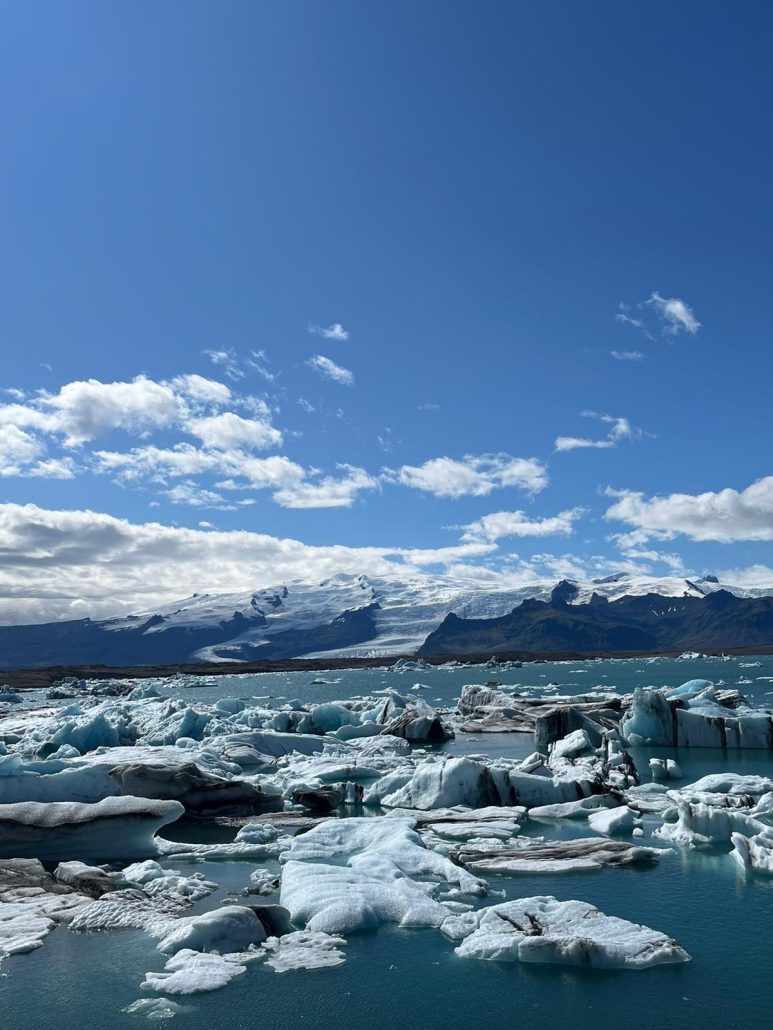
{"points": [[500, 524], [83, 410], [472, 476], [725, 516], [291, 485], [619, 429], [332, 332], [329, 370], [72, 564], [227, 430], [328, 492]]}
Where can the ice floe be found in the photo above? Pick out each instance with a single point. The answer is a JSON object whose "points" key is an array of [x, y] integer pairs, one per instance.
{"points": [[573, 933], [117, 827], [354, 874]]}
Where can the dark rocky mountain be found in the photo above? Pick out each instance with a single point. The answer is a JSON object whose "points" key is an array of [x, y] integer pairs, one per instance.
{"points": [[647, 622], [84, 642]]}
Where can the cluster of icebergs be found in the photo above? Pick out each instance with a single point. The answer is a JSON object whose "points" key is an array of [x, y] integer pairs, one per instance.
{"points": [[86, 785]]}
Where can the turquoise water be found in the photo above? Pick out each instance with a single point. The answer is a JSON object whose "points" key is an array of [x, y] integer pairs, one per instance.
{"points": [[445, 684], [413, 977]]}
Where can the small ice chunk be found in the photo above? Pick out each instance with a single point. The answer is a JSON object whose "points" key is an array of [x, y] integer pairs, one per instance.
{"points": [[190, 972], [304, 949], [226, 929]]}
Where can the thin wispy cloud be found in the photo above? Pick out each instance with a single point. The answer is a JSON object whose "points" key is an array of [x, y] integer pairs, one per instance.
{"points": [[676, 315], [227, 360], [658, 316], [620, 429], [329, 370], [258, 362], [627, 355], [331, 332]]}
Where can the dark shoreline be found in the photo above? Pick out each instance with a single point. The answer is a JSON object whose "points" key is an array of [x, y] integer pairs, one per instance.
{"points": [[33, 679]]}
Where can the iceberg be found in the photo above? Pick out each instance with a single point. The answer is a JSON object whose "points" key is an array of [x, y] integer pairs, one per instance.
{"points": [[118, 827], [354, 874], [304, 949], [569, 856], [227, 929], [570, 933], [191, 972]]}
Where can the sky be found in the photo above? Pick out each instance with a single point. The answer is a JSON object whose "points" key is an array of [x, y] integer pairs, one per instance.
{"points": [[474, 288]]}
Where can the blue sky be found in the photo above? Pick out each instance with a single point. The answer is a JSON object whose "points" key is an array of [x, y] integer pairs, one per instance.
{"points": [[488, 200]]}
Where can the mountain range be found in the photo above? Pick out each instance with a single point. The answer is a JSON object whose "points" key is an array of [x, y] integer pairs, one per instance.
{"points": [[360, 616], [647, 622]]}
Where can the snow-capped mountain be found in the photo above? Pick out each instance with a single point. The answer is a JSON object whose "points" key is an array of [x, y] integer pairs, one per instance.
{"points": [[344, 616]]}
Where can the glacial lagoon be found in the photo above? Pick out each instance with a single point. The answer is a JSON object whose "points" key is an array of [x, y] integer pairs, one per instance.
{"points": [[699, 896]]}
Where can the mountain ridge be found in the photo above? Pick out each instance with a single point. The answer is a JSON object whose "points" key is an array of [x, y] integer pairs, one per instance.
{"points": [[649, 622], [359, 616]]}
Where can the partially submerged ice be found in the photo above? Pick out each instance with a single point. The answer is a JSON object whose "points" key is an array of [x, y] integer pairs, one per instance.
{"points": [[569, 933], [118, 827], [694, 715], [355, 874]]}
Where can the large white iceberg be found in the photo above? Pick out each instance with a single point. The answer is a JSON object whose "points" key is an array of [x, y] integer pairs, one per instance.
{"points": [[573, 933], [354, 874]]}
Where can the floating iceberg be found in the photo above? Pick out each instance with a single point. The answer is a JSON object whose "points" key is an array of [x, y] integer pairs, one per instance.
{"points": [[121, 827], [353, 874], [569, 856], [304, 949], [693, 715], [571, 933]]}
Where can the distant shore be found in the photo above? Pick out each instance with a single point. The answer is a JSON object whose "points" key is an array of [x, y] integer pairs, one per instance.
{"points": [[35, 679]]}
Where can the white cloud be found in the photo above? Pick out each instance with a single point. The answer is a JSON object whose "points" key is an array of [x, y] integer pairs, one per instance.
{"points": [[623, 317], [83, 410], [668, 316], [73, 564], [500, 524], [17, 448], [291, 485], [332, 332], [202, 391], [306, 405], [620, 429], [627, 355], [330, 370], [676, 315], [258, 362], [228, 361], [473, 476], [194, 496], [227, 430], [725, 516], [327, 492]]}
